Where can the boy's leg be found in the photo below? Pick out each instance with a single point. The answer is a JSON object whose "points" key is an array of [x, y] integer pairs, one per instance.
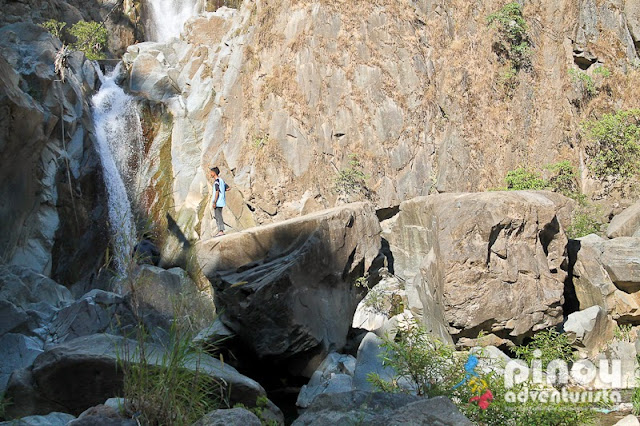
{"points": [[219, 221]]}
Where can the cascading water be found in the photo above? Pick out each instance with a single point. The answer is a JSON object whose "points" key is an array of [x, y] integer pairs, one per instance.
{"points": [[169, 16], [120, 146]]}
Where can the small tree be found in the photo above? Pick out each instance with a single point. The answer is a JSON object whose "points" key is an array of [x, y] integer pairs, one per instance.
{"points": [[91, 38]]}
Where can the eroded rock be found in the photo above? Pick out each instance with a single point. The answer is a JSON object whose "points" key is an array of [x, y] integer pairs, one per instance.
{"points": [[287, 289], [492, 261]]}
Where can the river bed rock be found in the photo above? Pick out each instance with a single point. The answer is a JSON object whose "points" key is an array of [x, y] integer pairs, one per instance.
{"points": [[287, 289]]}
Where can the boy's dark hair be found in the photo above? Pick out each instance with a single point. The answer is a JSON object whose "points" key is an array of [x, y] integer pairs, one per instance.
{"points": [[215, 170]]}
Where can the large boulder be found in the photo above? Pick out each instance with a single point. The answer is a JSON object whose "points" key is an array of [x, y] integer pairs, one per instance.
{"points": [[84, 372], [493, 262], [287, 289], [607, 273], [590, 330]]}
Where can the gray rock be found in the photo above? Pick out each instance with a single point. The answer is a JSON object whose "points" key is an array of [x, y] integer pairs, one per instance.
{"points": [[334, 375], [232, 416], [493, 261], [96, 312], [102, 415], [17, 351], [51, 419], [161, 289], [41, 227], [607, 273], [287, 289], [369, 361], [433, 411], [356, 407], [590, 329], [629, 420], [625, 224], [83, 373]]}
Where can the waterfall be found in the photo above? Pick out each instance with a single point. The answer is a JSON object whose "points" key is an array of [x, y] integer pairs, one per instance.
{"points": [[168, 17], [120, 146]]}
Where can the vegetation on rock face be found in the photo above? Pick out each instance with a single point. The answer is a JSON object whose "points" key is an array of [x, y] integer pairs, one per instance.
{"points": [[614, 144], [513, 44], [351, 180], [90, 37], [524, 179]]}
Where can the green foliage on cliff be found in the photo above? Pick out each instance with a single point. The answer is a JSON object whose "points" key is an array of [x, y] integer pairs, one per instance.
{"points": [[524, 179], [563, 178], [513, 43], [54, 27], [351, 180], [91, 38], [614, 144]]}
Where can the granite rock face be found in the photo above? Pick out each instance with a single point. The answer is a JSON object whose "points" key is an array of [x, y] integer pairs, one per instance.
{"points": [[494, 261], [287, 289], [51, 216]]}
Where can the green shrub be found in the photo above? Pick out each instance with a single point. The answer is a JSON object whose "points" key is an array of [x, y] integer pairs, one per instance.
{"points": [[433, 368], [614, 144], [635, 399], [563, 179], [584, 81], [91, 38], [351, 180], [522, 179], [54, 27], [427, 363], [584, 222], [551, 344], [514, 43]]}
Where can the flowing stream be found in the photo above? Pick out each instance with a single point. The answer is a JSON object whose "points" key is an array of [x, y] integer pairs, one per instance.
{"points": [[169, 16], [120, 146]]}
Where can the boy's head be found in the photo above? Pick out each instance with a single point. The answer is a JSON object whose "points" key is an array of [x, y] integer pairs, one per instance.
{"points": [[215, 172]]}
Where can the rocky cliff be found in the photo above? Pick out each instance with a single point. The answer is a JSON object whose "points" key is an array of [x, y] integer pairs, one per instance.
{"points": [[402, 98]]}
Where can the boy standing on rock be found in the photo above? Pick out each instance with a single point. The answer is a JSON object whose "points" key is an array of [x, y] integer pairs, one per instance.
{"points": [[219, 199]]}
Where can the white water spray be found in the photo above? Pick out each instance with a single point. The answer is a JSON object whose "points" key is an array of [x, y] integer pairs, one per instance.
{"points": [[120, 145], [169, 17]]}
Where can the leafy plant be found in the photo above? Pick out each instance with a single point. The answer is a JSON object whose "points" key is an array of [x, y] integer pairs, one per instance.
{"points": [[583, 80], [54, 27], [522, 179], [424, 361], [91, 38], [546, 346], [635, 399], [563, 179], [351, 180], [615, 144], [508, 80], [622, 333], [514, 43], [584, 222], [261, 404], [4, 403]]}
